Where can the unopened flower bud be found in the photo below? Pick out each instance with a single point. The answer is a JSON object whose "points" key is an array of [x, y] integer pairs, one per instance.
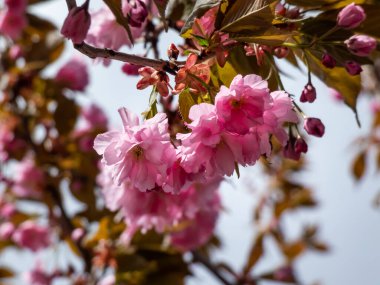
{"points": [[281, 52], [361, 45], [77, 23], [280, 10], [300, 145], [353, 67], [173, 52], [309, 94], [138, 14], [328, 61], [314, 127], [131, 69], [351, 16]]}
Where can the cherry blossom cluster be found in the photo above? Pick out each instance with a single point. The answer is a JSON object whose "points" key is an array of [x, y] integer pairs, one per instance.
{"points": [[157, 183]]}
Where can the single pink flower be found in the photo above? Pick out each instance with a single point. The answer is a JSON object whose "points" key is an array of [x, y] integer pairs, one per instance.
{"points": [[74, 75], [77, 24], [242, 106], [314, 127], [32, 236], [351, 16], [140, 154], [361, 45]]}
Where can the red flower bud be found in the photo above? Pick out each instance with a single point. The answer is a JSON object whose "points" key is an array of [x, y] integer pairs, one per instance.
{"points": [[351, 16], [76, 24], [173, 52], [353, 67], [281, 52], [300, 145], [131, 69], [328, 61], [314, 127], [308, 94]]}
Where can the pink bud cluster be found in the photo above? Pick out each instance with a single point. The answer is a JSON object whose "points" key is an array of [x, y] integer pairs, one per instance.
{"points": [[13, 19], [157, 185], [351, 17]]}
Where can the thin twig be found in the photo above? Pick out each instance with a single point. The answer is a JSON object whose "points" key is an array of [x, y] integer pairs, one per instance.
{"points": [[197, 257]]}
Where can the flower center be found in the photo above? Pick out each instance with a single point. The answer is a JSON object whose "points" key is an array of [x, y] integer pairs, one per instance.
{"points": [[138, 152]]}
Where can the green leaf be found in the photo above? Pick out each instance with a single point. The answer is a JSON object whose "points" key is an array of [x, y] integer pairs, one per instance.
{"points": [[248, 17], [161, 6], [152, 110], [200, 7], [186, 101], [201, 41], [115, 7], [359, 165]]}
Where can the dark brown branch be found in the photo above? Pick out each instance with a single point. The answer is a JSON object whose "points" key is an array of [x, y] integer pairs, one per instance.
{"points": [[94, 52], [197, 257]]}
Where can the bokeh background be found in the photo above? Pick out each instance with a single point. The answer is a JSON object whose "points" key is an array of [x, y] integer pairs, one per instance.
{"points": [[348, 219]]}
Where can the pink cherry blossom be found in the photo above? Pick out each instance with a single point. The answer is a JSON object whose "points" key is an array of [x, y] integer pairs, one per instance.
{"points": [[242, 106], [28, 180], [32, 236], [202, 150], [351, 16], [141, 154], [77, 23], [199, 229], [74, 74], [154, 209]]}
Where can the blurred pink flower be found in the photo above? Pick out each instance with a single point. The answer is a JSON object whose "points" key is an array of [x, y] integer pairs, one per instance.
{"points": [[74, 74], [155, 209], [32, 236], [37, 276], [28, 180], [6, 230], [94, 117], [12, 23]]}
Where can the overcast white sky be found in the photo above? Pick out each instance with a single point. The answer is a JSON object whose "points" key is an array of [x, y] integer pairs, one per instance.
{"points": [[346, 217]]}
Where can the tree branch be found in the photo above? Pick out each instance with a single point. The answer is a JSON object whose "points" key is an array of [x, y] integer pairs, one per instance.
{"points": [[197, 257]]}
